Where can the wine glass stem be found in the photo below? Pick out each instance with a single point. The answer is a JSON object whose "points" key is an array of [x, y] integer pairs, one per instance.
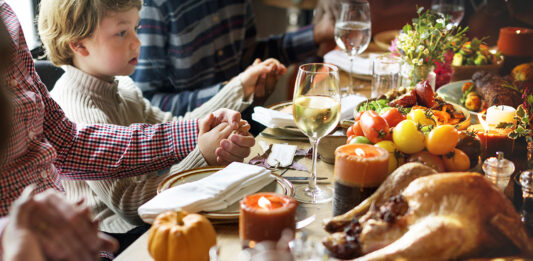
{"points": [[312, 180], [351, 89]]}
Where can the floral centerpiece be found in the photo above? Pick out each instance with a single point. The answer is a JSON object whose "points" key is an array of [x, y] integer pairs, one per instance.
{"points": [[426, 42]]}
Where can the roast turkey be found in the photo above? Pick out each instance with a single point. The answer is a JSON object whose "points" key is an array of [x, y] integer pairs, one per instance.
{"points": [[432, 217]]}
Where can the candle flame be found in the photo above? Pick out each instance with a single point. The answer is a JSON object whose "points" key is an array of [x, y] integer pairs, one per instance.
{"points": [[264, 203], [360, 152], [518, 31]]}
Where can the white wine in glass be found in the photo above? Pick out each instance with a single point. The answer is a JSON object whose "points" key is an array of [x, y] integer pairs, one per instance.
{"points": [[316, 111], [353, 31]]}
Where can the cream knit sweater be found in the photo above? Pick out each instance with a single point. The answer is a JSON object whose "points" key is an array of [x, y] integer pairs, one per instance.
{"points": [[86, 99]]}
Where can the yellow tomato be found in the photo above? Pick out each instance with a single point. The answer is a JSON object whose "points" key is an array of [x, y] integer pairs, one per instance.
{"points": [[456, 161], [407, 138], [442, 139], [422, 117]]}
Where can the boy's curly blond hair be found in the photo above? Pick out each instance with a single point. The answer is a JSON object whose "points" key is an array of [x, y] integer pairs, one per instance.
{"points": [[61, 22]]}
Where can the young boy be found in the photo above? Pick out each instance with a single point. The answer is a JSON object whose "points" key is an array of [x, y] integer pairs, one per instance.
{"points": [[98, 43]]}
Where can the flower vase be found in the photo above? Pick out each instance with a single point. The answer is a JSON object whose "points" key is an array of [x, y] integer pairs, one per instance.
{"points": [[413, 74]]}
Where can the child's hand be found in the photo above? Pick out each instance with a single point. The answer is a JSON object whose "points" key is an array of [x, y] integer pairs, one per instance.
{"points": [[260, 78]]}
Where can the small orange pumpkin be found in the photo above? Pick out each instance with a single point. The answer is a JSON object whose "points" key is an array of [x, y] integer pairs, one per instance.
{"points": [[181, 236]]}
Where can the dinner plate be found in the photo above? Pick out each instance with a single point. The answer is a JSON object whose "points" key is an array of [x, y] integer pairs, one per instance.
{"points": [[452, 93], [289, 130], [383, 39], [279, 185]]}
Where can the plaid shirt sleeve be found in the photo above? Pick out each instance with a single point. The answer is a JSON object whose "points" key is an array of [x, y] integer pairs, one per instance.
{"points": [[111, 151]]}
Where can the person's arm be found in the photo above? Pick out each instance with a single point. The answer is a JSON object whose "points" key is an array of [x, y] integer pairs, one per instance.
{"points": [[289, 47], [108, 151], [231, 96]]}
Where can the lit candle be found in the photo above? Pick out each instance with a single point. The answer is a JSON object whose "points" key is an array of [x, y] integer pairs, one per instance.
{"points": [[263, 216], [500, 113], [359, 169], [496, 139]]}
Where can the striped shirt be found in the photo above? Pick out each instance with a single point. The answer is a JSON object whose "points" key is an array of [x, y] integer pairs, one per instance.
{"points": [[46, 146], [190, 46]]}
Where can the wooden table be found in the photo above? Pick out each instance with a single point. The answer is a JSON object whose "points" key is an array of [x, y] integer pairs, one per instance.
{"points": [[228, 234]]}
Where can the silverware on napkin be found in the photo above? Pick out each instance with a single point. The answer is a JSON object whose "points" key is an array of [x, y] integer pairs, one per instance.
{"points": [[283, 137]]}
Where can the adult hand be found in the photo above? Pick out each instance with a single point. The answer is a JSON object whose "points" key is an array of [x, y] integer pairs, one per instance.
{"points": [[237, 146], [63, 231]]}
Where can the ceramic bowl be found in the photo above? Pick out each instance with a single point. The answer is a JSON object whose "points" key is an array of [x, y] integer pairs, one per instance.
{"points": [[465, 72], [327, 146]]}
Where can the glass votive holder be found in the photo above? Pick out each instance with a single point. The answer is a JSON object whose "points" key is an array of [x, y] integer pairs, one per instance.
{"points": [[263, 216], [498, 170], [385, 74]]}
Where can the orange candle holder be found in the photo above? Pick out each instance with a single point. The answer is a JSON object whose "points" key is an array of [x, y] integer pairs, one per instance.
{"points": [[359, 170], [515, 44], [494, 139], [264, 216]]}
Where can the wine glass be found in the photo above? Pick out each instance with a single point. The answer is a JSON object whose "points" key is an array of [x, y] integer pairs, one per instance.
{"points": [[316, 110], [454, 9], [352, 31]]}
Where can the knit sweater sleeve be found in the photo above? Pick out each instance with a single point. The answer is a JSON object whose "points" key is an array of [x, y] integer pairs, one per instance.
{"points": [[231, 96]]}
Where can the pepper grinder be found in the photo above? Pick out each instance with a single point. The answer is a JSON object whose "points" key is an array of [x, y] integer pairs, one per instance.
{"points": [[526, 181], [498, 170]]}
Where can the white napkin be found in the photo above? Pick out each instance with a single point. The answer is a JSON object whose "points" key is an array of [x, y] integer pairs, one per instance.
{"points": [[277, 119], [361, 65], [215, 192]]}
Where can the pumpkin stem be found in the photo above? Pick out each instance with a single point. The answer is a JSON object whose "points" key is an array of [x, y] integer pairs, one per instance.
{"points": [[179, 217]]}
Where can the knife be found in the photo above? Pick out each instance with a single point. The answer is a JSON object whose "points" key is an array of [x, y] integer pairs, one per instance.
{"points": [[304, 178]]}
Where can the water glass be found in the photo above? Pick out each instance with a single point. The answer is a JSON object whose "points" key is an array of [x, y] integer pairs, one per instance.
{"points": [[385, 74]]}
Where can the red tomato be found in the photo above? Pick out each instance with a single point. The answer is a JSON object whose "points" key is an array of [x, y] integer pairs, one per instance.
{"points": [[374, 126], [393, 117], [357, 116], [349, 131], [357, 131]]}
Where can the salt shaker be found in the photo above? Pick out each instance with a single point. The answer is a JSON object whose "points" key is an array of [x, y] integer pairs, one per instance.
{"points": [[498, 170], [526, 181]]}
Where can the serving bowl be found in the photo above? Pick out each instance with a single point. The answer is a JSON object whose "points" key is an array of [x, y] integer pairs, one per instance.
{"points": [[463, 125], [465, 72]]}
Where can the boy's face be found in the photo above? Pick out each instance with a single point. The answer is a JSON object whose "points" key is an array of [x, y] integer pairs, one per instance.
{"points": [[114, 48]]}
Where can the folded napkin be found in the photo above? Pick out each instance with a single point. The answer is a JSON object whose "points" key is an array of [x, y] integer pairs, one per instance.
{"points": [[362, 64], [215, 192], [277, 119]]}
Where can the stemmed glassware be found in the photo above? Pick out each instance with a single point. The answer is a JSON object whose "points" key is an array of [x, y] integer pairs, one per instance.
{"points": [[455, 9], [352, 31], [316, 111]]}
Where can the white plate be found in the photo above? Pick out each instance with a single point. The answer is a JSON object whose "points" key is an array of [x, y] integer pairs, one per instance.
{"points": [[231, 213]]}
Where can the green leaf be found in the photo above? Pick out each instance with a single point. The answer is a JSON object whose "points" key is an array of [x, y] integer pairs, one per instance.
{"points": [[407, 28], [504, 125]]}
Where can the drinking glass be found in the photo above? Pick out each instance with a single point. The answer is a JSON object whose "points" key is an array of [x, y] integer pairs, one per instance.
{"points": [[385, 74], [352, 31], [455, 9], [316, 111]]}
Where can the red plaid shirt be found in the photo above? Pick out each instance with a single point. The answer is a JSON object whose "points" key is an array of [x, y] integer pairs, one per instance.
{"points": [[45, 145]]}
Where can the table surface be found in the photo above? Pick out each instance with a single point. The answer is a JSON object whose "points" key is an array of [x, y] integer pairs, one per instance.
{"points": [[228, 234]]}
